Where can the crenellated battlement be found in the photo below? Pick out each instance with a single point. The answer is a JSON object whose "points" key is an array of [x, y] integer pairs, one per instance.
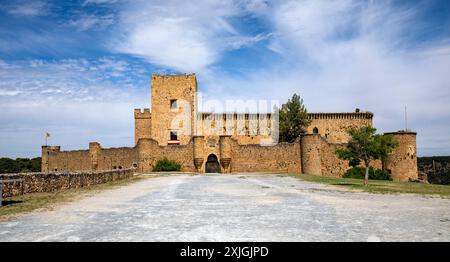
{"points": [[346, 115], [51, 148], [173, 77], [138, 113]]}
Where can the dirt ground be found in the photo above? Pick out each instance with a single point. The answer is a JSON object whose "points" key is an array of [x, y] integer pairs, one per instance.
{"points": [[239, 207]]}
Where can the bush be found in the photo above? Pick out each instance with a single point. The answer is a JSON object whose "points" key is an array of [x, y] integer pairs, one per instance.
{"points": [[359, 172], [166, 165]]}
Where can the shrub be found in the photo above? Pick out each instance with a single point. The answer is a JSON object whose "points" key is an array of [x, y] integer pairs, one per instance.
{"points": [[166, 165], [375, 174]]}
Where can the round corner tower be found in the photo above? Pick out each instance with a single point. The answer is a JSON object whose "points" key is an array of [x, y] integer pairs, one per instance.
{"points": [[402, 162]]}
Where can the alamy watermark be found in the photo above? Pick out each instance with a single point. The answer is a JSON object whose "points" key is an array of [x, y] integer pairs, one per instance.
{"points": [[251, 117]]}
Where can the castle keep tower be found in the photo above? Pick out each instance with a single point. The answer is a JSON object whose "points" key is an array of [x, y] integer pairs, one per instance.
{"points": [[174, 108]]}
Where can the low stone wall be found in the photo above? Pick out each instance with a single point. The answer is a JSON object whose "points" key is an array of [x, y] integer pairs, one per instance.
{"points": [[52, 182]]}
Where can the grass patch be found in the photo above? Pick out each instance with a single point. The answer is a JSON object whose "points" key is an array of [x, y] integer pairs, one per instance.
{"points": [[29, 202], [381, 186]]}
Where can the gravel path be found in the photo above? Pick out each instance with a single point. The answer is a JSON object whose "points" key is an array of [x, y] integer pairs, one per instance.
{"points": [[240, 207]]}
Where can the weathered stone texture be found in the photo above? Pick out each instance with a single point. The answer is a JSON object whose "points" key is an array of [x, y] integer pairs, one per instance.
{"points": [[244, 128], [283, 157], [142, 124], [402, 162], [52, 182], [149, 152], [333, 126], [165, 88]]}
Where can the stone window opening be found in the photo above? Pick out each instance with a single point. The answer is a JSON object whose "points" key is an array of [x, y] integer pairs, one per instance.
{"points": [[173, 135], [120, 167], [173, 104], [315, 130]]}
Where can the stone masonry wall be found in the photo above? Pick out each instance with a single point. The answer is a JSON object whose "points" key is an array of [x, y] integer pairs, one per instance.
{"points": [[283, 157], [319, 157], [118, 158], [150, 152], [96, 158], [76, 160], [52, 182], [333, 126]]}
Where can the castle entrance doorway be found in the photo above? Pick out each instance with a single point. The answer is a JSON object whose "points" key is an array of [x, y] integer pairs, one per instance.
{"points": [[212, 164]]}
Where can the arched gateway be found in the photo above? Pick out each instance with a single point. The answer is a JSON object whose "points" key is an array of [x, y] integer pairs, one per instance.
{"points": [[212, 164]]}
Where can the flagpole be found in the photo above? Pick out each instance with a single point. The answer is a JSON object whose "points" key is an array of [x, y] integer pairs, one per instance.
{"points": [[406, 120]]}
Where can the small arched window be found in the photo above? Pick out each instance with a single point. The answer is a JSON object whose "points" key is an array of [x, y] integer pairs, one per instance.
{"points": [[315, 130]]}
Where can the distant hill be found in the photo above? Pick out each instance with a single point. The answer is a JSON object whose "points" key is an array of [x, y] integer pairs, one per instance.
{"points": [[439, 173], [8, 165]]}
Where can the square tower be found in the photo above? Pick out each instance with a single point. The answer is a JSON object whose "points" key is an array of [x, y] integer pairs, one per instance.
{"points": [[174, 107]]}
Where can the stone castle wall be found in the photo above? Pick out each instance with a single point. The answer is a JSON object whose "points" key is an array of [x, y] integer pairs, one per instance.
{"points": [[54, 160], [149, 152], [244, 128], [319, 158], [311, 154], [333, 126], [52, 182], [283, 157], [96, 158]]}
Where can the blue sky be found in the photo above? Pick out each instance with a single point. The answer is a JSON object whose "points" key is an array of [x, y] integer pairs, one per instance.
{"points": [[77, 69]]}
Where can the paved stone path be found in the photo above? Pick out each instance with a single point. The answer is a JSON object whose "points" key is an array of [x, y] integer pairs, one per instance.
{"points": [[241, 207]]}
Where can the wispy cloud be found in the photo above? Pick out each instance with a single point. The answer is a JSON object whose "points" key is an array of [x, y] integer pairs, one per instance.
{"points": [[91, 98], [181, 35], [89, 21], [27, 8]]}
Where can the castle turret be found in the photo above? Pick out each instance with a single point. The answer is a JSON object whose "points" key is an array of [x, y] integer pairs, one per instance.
{"points": [[402, 162], [94, 154], [47, 151], [225, 152], [310, 154], [142, 124], [199, 147]]}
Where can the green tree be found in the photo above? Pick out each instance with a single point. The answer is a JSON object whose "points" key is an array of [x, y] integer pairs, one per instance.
{"points": [[293, 119], [8, 165], [366, 145]]}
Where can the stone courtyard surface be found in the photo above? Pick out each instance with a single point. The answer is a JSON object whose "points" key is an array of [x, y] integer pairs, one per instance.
{"points": [[239, 207]]}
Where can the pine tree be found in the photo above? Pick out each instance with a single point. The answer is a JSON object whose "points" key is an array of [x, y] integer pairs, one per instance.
{"points": [[293, 119]]}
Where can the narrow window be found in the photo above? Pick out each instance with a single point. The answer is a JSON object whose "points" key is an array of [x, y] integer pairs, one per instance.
{"points": [[173, 104], [173, 135], [315, 130]]}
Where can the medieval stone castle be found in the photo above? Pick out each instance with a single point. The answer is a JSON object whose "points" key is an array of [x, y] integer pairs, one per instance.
{"points": [[227, 142]]}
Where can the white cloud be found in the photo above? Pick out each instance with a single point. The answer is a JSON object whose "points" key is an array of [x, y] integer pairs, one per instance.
{"points": [[27, 8], [181, 35], [88, 21]]}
